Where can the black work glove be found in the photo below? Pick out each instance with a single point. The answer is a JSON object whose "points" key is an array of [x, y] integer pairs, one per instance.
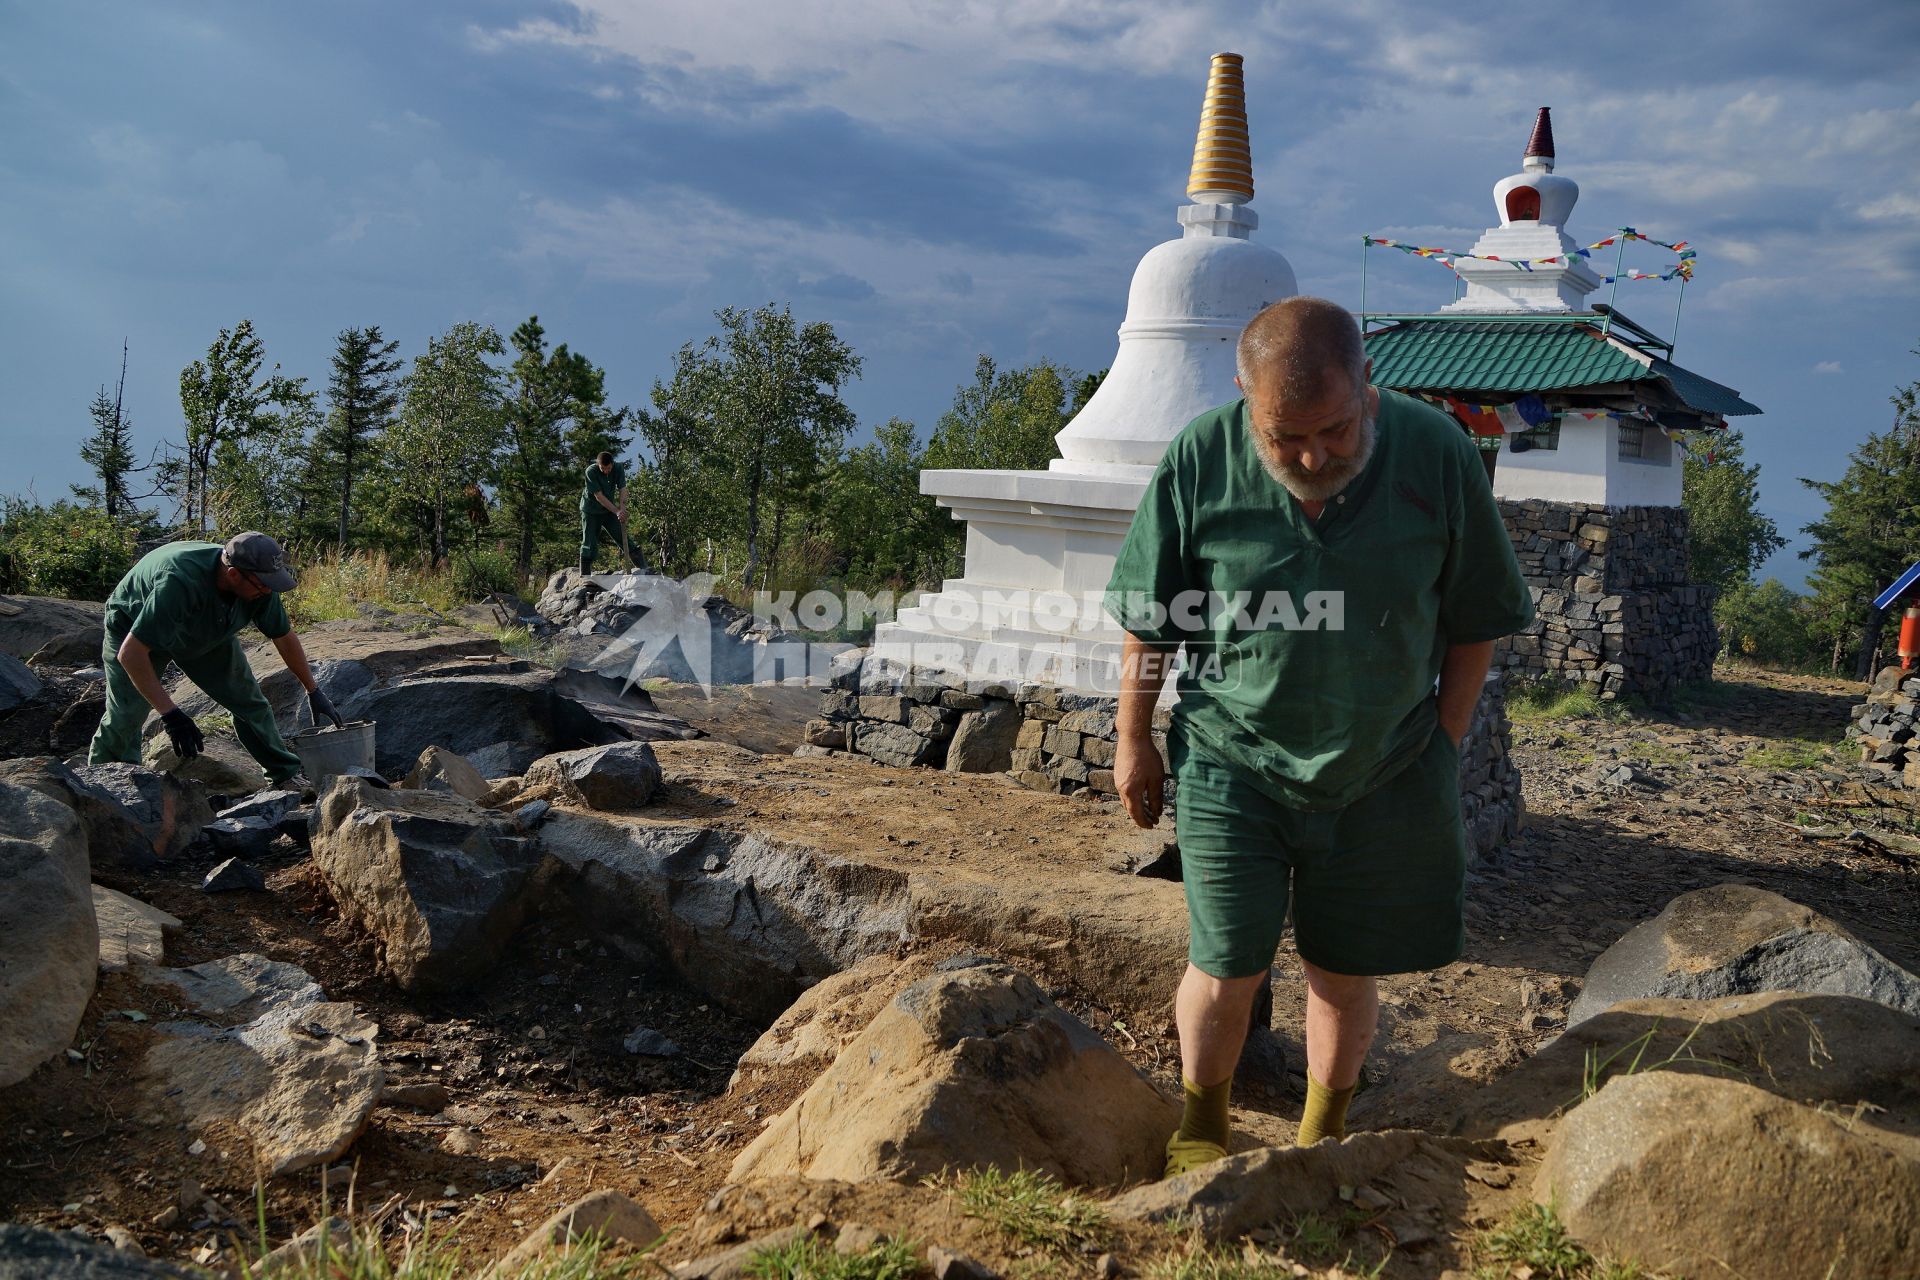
{"points": [[322, 705], [183, 734]]}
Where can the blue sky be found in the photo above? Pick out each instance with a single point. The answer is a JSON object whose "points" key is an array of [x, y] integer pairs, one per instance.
{"points": [[937, 178]]}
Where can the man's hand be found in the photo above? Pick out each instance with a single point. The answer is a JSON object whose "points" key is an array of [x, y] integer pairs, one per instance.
{"points": [[621, 514], [322, 705], [183, 734], [1141, 778]]}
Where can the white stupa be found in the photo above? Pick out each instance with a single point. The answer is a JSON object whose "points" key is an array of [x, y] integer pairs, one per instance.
{"points": [[1533, 207], [1041, 544]]}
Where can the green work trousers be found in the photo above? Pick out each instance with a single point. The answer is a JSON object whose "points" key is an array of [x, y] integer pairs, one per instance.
{"points": [[596, 522], [222, 674]]}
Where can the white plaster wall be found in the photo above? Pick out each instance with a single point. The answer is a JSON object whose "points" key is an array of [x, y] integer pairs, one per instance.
{"points": [[1575, 472], [1638, 482]]}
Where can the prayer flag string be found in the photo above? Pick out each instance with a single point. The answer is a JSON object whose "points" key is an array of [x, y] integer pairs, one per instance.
{"points": [[1683, 269]]}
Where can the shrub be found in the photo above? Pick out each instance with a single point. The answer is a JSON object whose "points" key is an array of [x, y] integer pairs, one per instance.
{"points": [[483, 571], [63, 549]]}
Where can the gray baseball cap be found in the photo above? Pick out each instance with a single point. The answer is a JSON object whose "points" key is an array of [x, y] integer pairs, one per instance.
{"points": [[255, 553]]}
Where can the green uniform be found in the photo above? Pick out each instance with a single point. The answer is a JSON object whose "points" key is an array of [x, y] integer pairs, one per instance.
{"points": [[596, 521], [1313, 648], [169, 602]]}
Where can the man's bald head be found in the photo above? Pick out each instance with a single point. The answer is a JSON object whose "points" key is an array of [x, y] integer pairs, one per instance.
{"points": [[1301, 351]]}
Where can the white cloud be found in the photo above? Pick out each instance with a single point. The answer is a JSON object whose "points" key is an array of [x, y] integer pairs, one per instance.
{"points": [[1828, 366]]}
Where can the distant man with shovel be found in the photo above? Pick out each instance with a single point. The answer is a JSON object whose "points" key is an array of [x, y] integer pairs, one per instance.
{"points": [[186, 602], [603, 511], [1332, 559]]}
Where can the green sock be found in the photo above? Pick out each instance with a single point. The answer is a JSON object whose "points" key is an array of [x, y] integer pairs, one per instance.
{"points": [[1325, 1115], [1204, 1118]]}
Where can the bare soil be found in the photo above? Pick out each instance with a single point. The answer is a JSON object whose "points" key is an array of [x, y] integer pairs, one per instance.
{"points": [[546, 1104]]}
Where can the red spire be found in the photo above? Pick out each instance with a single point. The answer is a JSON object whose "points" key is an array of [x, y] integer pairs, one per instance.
{"points": [[1541, 143]]}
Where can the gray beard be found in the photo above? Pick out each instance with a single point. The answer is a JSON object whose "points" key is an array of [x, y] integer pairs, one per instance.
{"points": [[1318, 486]]}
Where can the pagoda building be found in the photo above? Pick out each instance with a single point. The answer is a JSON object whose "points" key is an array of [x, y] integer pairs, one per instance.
{"points": [[1578, 411]]}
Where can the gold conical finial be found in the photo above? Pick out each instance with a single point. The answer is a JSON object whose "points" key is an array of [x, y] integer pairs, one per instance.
{"points": [[1222, 160]]}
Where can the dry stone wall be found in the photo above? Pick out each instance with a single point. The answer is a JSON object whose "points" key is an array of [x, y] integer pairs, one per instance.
{"points": [[1615, 607], [1054, 739], [1886, 728]]}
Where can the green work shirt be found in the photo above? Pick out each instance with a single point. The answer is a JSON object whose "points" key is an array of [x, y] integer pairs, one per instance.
{"points": [[168, 601], [1320, 686], [607, 486]]}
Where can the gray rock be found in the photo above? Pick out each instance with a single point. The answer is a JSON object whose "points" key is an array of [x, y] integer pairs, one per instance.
{"points": [[608, 1214], [1699, 1175], [893, 744], [983, 740], [49, 942], [299, 1080], [34, 1253], [531, 814], [238, 988], [948, 1265], [1733, 939], [438, 769], [268, 806], [649, 1043], [224, 767], [17, 683], [439, 881], [51, 631], [131, 932], [132, 816], [621, 775], [241, 837], [232, 875]]}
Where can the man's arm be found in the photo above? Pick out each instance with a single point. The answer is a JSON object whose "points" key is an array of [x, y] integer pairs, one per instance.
{"points": [[1138, 772], [294, 654], [601, 498], [1463, 673], [137, 660]]}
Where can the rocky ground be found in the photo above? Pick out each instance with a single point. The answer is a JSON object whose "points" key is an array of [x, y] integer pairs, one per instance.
{"points": [[531, 1086]]}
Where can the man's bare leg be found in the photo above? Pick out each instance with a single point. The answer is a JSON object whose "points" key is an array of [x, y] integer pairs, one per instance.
{"points": [[1342, 1012], [1211, 1014]]}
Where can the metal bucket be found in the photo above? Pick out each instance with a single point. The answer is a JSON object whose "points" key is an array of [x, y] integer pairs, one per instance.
{"points": [[326, 752]]}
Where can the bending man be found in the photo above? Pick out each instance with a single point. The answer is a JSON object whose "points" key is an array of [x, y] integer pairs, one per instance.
{"points": [[603, 511], [187, 602], [1332, 558]]}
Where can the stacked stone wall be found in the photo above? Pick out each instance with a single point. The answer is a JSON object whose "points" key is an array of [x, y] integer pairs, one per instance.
{"points": [[1614, 605], [1057, 740], [1886, 728]]}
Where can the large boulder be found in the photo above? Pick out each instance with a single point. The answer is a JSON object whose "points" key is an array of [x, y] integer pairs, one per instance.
{"points": [[1734, 939], [805, 1039], [132, 816], [504, 722], [223, 767], [51, 632], [1677, 1170], [298, 1079], [620, 775], [49, 943], [969, 1068], [34, 1253], [439, 769], [440, 882], [1810, 1048]]}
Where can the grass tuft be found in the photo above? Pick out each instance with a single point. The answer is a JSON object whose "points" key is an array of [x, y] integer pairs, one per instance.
{"points": [[1026, 1206], [810, 1258], [1790, 753], [1530, 701], [1534, 1238]]}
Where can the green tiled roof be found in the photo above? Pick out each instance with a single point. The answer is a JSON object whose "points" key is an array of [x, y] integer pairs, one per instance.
{"points": [[1515, 357]]}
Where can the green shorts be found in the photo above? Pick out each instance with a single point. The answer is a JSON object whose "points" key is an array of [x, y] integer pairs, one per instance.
{"points": [[1377, 887]]}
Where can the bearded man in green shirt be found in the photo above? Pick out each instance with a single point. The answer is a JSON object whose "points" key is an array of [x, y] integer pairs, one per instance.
{"points": [[1332, 560], [186, 602]]}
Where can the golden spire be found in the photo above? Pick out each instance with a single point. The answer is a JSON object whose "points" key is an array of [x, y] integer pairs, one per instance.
{"points": [[1222, 162]]}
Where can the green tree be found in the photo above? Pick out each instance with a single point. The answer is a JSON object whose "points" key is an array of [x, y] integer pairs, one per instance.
{"points": [[109, 450], [682, 483], [1870, 533], [450, 426], [1729, 538], [554, 411], [226, 402], [1009, 418], [886, 531], [1767, 623], [63, 549], [364, 390], [260, 480]]}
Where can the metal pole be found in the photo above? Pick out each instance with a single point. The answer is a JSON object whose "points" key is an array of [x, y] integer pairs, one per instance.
{"points": [[1613, 298], [1673, 343], [1366, 243]]}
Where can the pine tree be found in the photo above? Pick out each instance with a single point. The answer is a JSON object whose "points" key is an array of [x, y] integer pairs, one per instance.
{"points": [[450, 425], [554, 413], [109, 450], [1870, 533], [364, 390], [1729, 538]]}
